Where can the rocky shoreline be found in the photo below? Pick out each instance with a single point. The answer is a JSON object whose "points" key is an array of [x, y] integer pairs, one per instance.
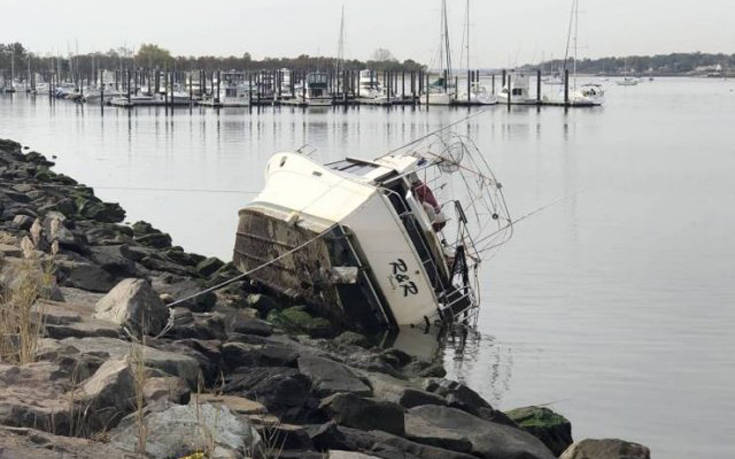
{"points": [[94, 363]]}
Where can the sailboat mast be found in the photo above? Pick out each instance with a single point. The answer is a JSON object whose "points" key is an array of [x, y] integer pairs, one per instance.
{"points": [[446, 40], [341, 42], [467, 27], [576, 36]]}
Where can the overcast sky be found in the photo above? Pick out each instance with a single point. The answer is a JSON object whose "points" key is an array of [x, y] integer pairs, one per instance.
{"points": [[503, 32]]}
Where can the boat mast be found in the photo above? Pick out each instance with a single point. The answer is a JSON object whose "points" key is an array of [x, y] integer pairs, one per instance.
{"points": [[467, 27], [576, 34], [444, 48], [569, 38], [341, 47]]}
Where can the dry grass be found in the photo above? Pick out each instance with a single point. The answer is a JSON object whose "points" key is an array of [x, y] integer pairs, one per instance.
{"points": [[20, 326], [137, 364]]}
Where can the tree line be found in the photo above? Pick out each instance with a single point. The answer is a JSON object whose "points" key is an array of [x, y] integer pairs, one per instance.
{"points": [[661, 64], [152, 56]]}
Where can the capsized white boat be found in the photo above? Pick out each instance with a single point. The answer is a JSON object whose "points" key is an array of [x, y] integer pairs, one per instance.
{"points": [[368, 243]]}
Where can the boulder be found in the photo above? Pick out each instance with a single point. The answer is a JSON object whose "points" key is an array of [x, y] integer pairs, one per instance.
{"points": [[155, 240], [196, 326], [453, 429], [364, 413], [16, 273], [133, 304], [27, 443], [110, 393], [172, 363], [283, 390], [172, 389], [84, 275], [181, 430], [402, 392], [236, 355], [237, 323], [55, 230], [94, 209], [115, 259], [23, 222], [462, 397], [181, 287], [385, 445], [350, 338], [297, 320], [238, 405], [33, 395], [606, 449], [329, 377], [553, 429], [341, 454], [209, 266]]}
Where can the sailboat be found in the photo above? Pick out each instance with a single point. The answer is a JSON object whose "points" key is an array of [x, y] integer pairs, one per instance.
{"points": [[441, 91], [627, 79], [474, 93], [588, 94]]}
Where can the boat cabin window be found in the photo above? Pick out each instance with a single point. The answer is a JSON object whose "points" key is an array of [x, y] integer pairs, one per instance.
{"points": [[517, 91]]}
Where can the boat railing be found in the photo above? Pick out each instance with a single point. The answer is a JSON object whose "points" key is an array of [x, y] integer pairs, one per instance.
{"points": [[409, 219]]}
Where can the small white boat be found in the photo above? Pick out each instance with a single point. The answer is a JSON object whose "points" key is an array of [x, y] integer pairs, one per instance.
{"points": [[138, 100], [479, 95], [628, 81], [589, 94], [94, 94], [367, 243], [517, 88], [316, 92]]}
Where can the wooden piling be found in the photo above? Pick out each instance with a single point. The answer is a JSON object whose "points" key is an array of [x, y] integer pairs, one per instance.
{"points": [[538, 87], [127, 71], [469, 85], [426, 90], [508, 85], [566, 87]]}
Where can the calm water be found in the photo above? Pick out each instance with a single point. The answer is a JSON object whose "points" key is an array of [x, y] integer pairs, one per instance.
{"points": [[615, 306]]}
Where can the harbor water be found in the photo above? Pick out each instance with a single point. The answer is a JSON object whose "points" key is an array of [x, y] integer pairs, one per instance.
{"points": [[614, 305]]}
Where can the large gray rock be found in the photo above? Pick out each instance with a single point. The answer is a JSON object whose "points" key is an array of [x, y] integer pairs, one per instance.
{"points": [[172, 363], [384, 445], [551, 428], [329, 377], [33, 395], [110, 393], [181, 430], [457, 430], [133, 304], [235, 355], [55, 230], [364, 413], [84, 275], [284, 391], [27, 443], [606, 449], [16, 272], [457, 395]]}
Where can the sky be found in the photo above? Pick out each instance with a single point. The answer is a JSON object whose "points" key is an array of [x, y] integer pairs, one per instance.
{"points": [[502, 33]]}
